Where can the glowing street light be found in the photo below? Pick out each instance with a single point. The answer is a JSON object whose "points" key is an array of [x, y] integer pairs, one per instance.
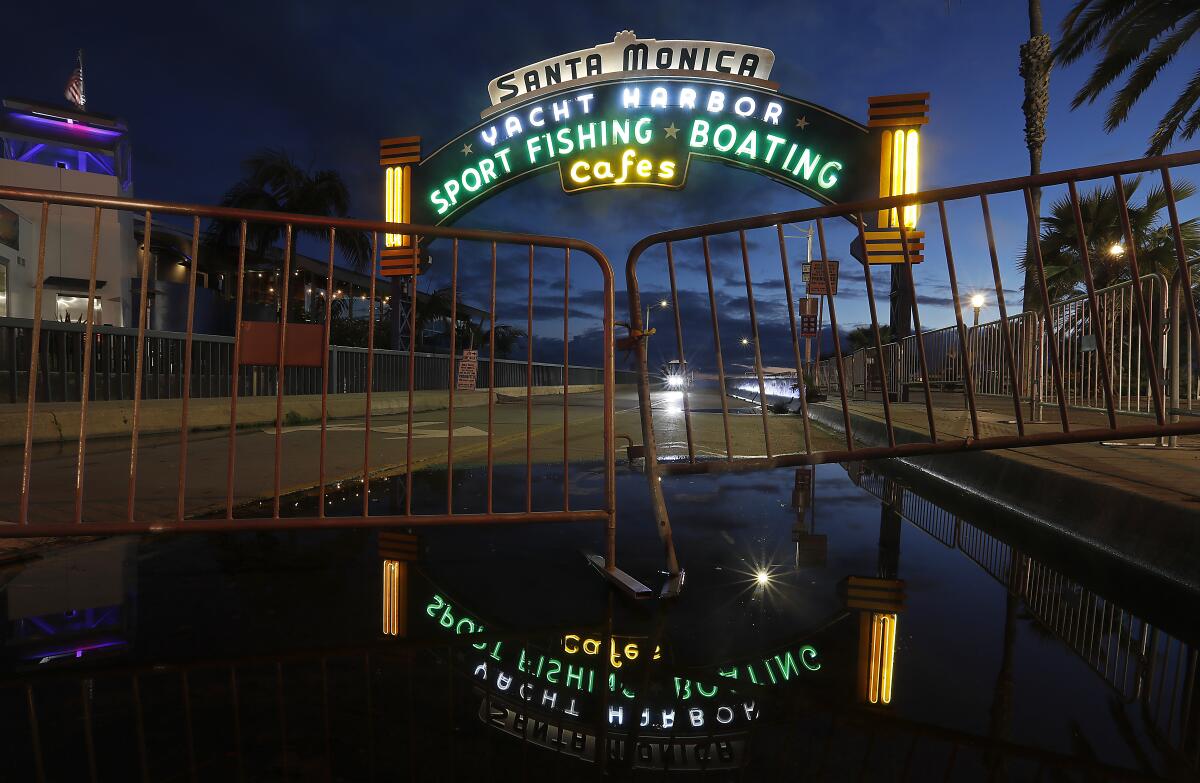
{"points": [[745, 341], [977, 302], [763, 577], [1116, 250]]}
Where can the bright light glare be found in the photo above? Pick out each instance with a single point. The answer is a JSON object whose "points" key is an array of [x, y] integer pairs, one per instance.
{"points": [[675, 381], [1116, 250], [763, 578], [745, 341], [662, 303], [674, 410], [977, 300]]}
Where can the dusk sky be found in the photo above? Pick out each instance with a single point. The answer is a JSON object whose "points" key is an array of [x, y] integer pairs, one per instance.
{"points": [[202, 89]]}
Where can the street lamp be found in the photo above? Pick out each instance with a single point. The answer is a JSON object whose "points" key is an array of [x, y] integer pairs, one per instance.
{"points": [[977, 303], [1116, 250], [663, 304]]}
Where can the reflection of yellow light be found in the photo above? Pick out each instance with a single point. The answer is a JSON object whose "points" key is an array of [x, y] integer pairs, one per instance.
{"points": [[391, 597], [883, 650], [395, 207]]}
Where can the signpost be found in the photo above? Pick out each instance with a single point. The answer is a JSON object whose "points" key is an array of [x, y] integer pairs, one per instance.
{"points": [[468, 369], [815, 275]]}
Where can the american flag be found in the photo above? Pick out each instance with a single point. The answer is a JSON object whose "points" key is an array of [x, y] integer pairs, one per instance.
{"points": [[74, 91]]}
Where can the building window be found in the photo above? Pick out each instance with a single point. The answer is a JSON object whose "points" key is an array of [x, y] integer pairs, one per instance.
{"points": [[72, 308]]}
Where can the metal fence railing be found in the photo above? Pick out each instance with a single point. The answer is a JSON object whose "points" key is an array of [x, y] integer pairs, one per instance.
{"points": [[1077, 342], [139, 349], [114, 362], [1060, 373]]}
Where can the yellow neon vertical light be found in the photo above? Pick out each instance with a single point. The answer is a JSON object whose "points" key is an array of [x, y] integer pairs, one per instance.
{"points": [[391, 598], [912, 163], [395, 207], [897, 179]]}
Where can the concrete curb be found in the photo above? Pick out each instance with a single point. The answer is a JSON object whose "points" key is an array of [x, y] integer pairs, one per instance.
{"points": [[1148, 533], [59, 422]]}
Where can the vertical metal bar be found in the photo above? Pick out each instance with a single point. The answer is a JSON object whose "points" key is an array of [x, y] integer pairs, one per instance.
{"points": [[687, 408], [412, 368], [280, 367], [801, 382], [961, 330], [86, 376], [234, 372], [712, 307], [916, 312], [1047, 312], [325, 373], [1098, 326], [566, 379], [366, 481], [758, 371], [453, 354], [1156, 387], [887, 403], [186, 390], [529, 393], [609, 416], [491, 383], [143, 313], [837, 346], [35, 341]]}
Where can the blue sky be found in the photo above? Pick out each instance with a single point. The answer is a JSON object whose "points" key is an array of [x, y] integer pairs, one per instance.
{"points": [[203, 88]]}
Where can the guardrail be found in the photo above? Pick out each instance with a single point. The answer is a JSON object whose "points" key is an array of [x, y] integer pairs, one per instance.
{"points": [[114, 360], [901, 246], [272, 339]]}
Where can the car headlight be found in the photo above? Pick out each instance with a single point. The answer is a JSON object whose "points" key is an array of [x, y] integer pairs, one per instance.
{"points": [[675, 381]]}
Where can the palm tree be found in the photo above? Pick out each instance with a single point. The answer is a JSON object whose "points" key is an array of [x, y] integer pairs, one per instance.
{"points": [[1035, 70], [1101, 211], [864, 337], [1140, 38], [507, 338], [273, 182]]}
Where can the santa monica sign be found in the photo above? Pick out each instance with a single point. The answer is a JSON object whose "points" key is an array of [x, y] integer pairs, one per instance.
{"points": [[639, 112]]}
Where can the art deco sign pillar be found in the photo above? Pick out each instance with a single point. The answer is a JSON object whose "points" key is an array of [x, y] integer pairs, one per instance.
{"points": [[399, 158]]}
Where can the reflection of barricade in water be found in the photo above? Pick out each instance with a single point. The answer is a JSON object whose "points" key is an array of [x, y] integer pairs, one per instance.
{"points": [[1140, 662]]}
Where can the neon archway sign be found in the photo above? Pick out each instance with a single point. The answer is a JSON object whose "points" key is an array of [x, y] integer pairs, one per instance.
{"points": [[639, 113]]}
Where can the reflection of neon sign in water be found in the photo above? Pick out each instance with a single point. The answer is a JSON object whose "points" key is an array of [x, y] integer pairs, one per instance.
{"points": [[770, 670]]}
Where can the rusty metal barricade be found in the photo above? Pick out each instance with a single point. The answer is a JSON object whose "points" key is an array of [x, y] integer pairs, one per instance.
{"points": [[26, 521], [921, 364]]}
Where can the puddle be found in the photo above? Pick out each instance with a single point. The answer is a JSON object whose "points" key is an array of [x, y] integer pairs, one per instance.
{"points": [[834, 623]]}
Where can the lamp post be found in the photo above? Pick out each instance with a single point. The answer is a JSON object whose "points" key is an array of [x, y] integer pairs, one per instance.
{"points": [[977, 303], [663, 304]]}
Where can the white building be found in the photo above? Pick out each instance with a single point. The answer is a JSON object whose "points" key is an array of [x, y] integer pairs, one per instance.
{"points": [[46, 147]]}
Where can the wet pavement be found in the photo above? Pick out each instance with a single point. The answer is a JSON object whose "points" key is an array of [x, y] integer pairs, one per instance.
{"points": [[835, 624]]}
